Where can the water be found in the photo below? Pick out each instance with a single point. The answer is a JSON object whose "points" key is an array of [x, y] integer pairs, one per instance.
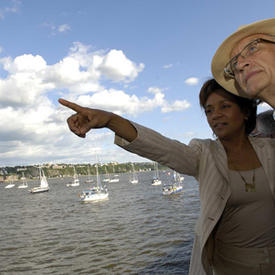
{"points": [[136, 231]]}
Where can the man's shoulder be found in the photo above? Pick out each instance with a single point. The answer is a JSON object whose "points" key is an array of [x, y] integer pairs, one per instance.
{"points": [[263, 141]]}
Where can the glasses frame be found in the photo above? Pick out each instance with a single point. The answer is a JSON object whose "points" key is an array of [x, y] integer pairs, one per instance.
{"points": [[228, 69]]}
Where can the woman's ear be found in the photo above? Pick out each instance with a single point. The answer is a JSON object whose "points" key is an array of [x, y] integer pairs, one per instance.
{"points": [[246, 113]]}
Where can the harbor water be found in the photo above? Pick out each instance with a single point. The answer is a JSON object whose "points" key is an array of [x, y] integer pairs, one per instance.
{"points": [[136, 231]]}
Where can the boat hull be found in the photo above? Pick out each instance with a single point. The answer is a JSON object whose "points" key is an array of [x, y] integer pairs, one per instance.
{"points": [[113, 180], [156, 182], [72, 185], [22, 186], [38, 190], [92, 196], [169, 191], [9, 186]]}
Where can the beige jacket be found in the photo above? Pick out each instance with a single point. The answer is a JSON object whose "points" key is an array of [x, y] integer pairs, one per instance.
{"points": [[206, 160]]}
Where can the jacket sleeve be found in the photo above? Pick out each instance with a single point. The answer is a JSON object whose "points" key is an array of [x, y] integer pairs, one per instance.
{"points": [[154, 146]]}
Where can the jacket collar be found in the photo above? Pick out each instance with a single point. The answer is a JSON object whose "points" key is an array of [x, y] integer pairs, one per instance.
{"points": [[264, 155], [220, 155], [220, 158]]}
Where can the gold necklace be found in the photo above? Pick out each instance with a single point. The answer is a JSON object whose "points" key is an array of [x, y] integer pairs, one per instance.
{"points": [[249, 187]]}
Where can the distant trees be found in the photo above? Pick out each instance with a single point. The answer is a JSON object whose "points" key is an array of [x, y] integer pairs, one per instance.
{"points": [[66, 170]]}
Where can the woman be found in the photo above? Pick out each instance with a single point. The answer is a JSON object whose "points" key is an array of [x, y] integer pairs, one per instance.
{"points": [[235, 174]]}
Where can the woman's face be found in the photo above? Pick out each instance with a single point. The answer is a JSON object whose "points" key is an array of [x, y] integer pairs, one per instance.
{"points": [[224, 116]]}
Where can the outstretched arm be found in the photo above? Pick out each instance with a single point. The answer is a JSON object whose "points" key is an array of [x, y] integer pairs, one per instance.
{"points": [[86, 119]]}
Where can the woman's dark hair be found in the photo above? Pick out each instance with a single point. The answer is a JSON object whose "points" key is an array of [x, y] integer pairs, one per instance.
{"points": [[247, 106]]}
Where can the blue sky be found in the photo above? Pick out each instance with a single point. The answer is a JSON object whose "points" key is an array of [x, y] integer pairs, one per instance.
{"points": [[143, 59]]}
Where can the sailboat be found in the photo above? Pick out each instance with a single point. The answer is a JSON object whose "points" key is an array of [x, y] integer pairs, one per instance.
{"points": [[95, 193], [44, 186], [10, 185], [24, 184], [75, 181], [114, 177], [133, 176], [107, 178], [156, 180], [174, 187]]}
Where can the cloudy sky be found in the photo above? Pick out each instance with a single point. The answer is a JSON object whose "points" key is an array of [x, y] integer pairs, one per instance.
{"points": [[143, 59]]}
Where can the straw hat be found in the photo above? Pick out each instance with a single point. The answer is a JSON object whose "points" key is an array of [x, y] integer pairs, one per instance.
{"points": [[222, 55]]}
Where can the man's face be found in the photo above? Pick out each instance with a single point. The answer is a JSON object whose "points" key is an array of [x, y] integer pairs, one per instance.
{"points": [[255, 73]]}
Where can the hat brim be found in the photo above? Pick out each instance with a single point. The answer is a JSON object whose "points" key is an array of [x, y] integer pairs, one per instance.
{"points": [[222, 55]]}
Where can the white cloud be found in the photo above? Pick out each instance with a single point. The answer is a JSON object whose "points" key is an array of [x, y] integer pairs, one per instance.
{"points": [[79, 73], [168, 66], [155, 90], [119, 102], [12, 8], [24, 63], [192, 81], [64, 28], [24, 82], [33, 128], [178, 105], [117, 67]]}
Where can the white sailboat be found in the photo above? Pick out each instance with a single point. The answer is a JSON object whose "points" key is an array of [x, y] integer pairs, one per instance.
{"points": [[107, 177], [44, 186], [175, 186], [133, 175], [10, 185], [114, 180], [156, 180], [95, 193], [115, 177], [75, 181], [24, 183]]}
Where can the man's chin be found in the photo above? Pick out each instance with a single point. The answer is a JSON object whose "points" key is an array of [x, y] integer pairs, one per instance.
{"points": [[254, 92], [247, 93]]}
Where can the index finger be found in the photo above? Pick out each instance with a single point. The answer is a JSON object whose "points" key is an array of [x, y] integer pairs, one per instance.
{"points": [[70, 105]]}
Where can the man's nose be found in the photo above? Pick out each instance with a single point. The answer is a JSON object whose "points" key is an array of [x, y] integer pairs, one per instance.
{"points": [[242, 62]]}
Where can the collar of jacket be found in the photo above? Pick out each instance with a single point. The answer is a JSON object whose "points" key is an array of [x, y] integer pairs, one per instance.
{"points": [[264, 153]]}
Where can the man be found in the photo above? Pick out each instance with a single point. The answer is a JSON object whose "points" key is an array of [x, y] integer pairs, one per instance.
{"points": [[265, 125], [244, 64]]}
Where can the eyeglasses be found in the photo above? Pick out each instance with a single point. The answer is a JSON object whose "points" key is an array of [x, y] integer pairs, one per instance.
{"points": [[250, 49]]}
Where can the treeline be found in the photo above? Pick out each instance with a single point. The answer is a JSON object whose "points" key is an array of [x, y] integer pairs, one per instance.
{"points": [[67, 170]]}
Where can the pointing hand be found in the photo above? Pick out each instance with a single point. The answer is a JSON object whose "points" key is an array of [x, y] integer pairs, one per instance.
{"points": [[85, 118]]}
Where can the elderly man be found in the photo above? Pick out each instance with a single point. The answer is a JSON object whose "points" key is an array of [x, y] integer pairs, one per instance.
{"points": [[244, 64]]}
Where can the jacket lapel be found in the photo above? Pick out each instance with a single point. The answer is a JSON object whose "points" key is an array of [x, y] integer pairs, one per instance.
{"points": [[220, 158], [265, 153]]}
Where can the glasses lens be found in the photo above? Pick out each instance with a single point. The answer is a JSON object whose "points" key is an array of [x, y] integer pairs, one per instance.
{"points": [[249, 49]]}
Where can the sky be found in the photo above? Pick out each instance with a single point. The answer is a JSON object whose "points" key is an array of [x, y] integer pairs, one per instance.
{"points": [[143, 59]]}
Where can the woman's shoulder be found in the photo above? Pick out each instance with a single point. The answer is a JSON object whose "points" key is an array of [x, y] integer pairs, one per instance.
{"points": [[202, 141], [198, 142]]}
